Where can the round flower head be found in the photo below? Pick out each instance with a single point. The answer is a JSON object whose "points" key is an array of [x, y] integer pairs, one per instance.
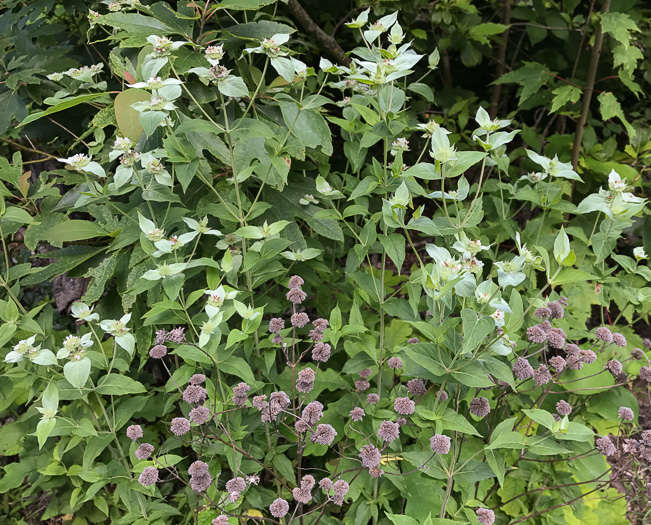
{"points": [[588, 356], [144, 451], [320, 323], [541, 375], [197, 379], [340, 489], [356, 414], [389, 431], [279, 508], [195, 394], [614, 367], [198, 468], [299, 320], [276, 325], [199, 415], [134, 432], [308, 481], [637, 353], [401, 421], [240, 394], [480, 407], [603, 334], [443, 395], [522, 369], [605, 446], [619, 339], [372, 399], [536, 334], [149, 476], [301, 495], [296, 295], [222, 519], [296, 282], [375, 472], [366, 373], [236, 485], [305, 380], [158, 352], [313, 412], [370, 456], [177, 335], [413, 340], [563, 408], [416, 387], [646, 342], [556, 338], [316, 335], [394, 362], [440, 444], [556, 309], [645, 374], [323, 435], [558, 363], [180, 426], [485, 516], [321, 352], [404, 406], [625, 413], [325, 484], [542, 313], [362, 384]]}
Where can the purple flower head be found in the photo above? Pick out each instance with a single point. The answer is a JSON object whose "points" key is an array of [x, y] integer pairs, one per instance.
{"points": [[134, 432], [198, 468], [299, 320], [485, 516], [301, 426], [443, 395], [413, 340], [149, 476], [180, 426], [356, 414], [236, 486], [389, 431], [603, 334], [556, 309], [340, 489], [637, 353], [305, 380], [316, 335], [646, 342], [558, 363], [375, 472], [605, 446], [480, 407], [260, 402], [563, 408], [302, 495], [201, 483], [320, 323], [394, 362], [144, 451], [277, 339], [542, 313], [416, 387], [222, 519], [619, 339], [522, 369], [240, 394], [541, 375], [645, 373], [199, 415], [366, 373], [323, 435], [195, 394], [325, 484], [308, 481], [276, 325], [161, 336], [278, 401], [279, 508], [625, 413], [296, 282], [370, 456], [197, 379], [296, 295], [401, 421], [404, 406], [439, 443], [313, 412], [614, 367], [362, 384], [536, 334], [158, 352], [177, 335], [372, 399], [588, 356], [321, 352], [556, 338]]}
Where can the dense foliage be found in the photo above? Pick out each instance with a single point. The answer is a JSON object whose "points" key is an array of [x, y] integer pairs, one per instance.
{"points": [[266, 262]]}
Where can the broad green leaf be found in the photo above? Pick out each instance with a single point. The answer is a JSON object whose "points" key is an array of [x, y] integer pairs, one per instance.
{"points": [[66, 104], [77, 372], [117, 385], [74, 230], [128, 119]]}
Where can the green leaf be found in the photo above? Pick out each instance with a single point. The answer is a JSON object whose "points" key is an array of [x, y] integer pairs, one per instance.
{"points": [[561, 246], [542, 417], [43, 430], [452, 420], [66, 104], [507, 440], [610, 107], [74, 230], [135, 23], [394, 245], [117, 385], [475, 329], [619, 25], [128, 119], [563, 95], [77, 372], [401, 519], [532, 76], [284, 466], [472, 374], [233, 86]]}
